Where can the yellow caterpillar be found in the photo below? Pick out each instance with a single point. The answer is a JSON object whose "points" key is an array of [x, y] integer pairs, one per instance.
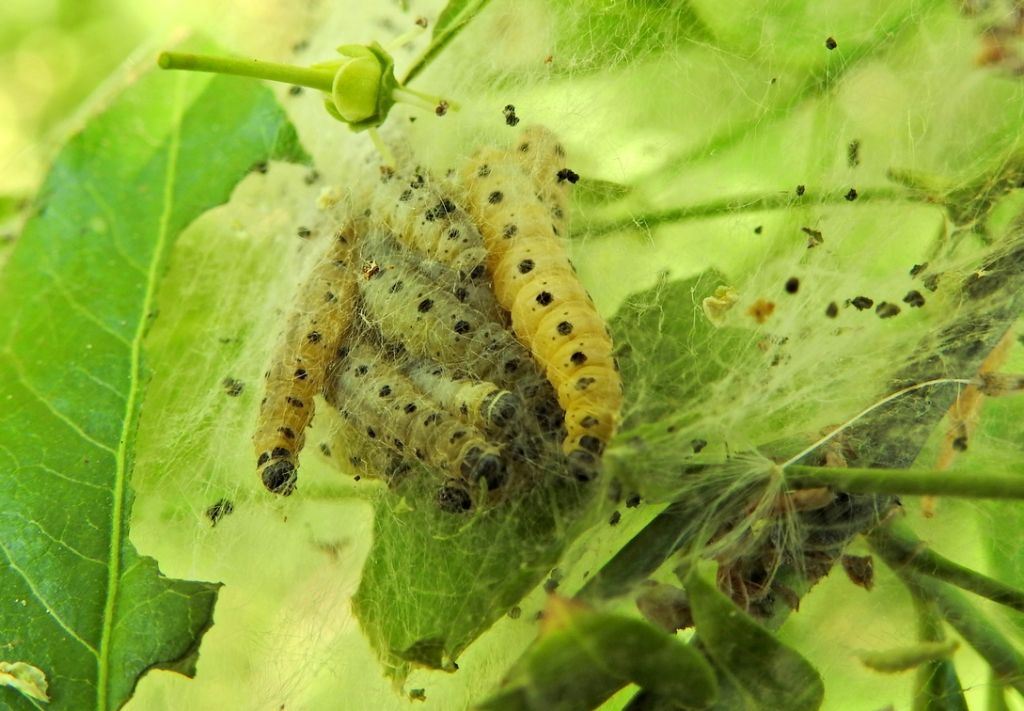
{"points": [[301, 361], [551, 312]]}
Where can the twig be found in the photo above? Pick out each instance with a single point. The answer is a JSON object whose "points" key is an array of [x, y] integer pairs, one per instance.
{"points": [[898, 546], [907, 482]]}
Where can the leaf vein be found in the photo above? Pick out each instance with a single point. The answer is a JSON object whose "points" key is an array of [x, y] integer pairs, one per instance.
{"points": [[74, 426], [38, 596]]}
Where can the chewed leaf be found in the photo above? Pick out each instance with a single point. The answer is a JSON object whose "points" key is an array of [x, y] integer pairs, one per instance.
{"points": [[586, 656], [29, 680], [766, 673], [77, 297]]}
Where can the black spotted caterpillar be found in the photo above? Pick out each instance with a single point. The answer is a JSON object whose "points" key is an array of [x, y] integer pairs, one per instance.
{"points": [[447, 327]]}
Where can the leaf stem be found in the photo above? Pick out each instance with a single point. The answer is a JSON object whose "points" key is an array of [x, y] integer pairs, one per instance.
{"points": [[898, 546], [907, 482], [272, 71], [936, 683], [749, 203]]}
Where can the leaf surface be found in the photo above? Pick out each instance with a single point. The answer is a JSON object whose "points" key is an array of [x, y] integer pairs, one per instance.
{"points": [[77, 295], [762, 671]]}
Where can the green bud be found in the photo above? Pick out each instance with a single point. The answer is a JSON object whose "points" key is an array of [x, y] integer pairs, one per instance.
{"points": [[359, 89]]}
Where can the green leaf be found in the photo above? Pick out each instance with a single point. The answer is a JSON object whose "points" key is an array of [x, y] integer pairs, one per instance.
{"points": [[587, 656], [669, 351], [765, 673], [80, 603], [670, 355], [12, 209], [452, 20], [433, 581], [11, 205]]}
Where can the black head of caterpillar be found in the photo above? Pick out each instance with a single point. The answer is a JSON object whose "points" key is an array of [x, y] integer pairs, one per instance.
{"points": [[454, 498]]}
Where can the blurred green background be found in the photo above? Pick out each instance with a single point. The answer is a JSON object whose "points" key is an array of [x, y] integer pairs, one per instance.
{"points": [[53, 55], [57, 55]]}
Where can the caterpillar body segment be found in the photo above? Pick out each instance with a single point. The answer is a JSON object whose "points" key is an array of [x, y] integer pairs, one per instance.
{"points": [[478, 402], [365, 457], [560, 325], [534, 280], [400, 301], [589, 386], [360, 454], [555, 291], [474, 291], [524, 258], [424, 216], [543, 158], [503, 202], [373, 394], [309, 346]]}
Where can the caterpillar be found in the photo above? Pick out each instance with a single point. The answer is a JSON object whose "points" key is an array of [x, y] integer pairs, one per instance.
{"points": [[550, 310], [474, 360], [301, 361], [409, 308], [373, 394]]}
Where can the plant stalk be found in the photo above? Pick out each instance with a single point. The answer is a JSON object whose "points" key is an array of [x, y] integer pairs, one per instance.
{"points": [[906, 482], [318, 79]]}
